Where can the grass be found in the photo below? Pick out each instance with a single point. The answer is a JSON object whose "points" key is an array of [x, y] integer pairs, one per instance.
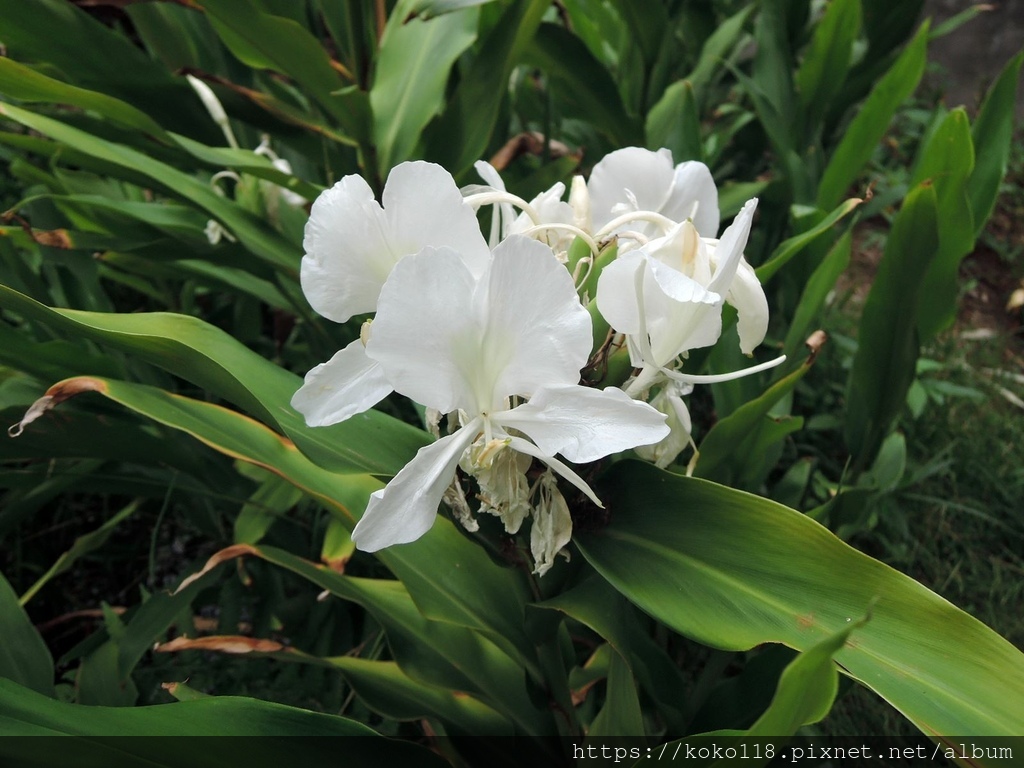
{"points": [[956, 524]]}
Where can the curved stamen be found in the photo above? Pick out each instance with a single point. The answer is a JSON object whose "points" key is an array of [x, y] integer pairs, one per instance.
{"points": [[224, 175], [650, 216], [591, 243], [497, 196], [714, 378], [577, 280]]}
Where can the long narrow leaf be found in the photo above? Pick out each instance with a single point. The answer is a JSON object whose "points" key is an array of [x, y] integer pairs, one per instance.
{"points": [[872, 119], [226, 368], [734, 570]]}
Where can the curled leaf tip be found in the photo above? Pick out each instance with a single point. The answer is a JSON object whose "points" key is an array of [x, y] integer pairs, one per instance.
{"points": [[37, 409], [814, 343]]}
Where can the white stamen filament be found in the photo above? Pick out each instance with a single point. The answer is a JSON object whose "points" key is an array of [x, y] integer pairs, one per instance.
{"points": [[565, 228], [224, 175], [715, 378], [577, 280], [640, 238], [650, 216], [497, 196]]}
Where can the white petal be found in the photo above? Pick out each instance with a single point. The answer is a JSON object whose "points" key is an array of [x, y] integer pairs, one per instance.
{"points": [[617, 297], [694, 187], [678, 419], [425, 335], [347, 384], [729, 251], [406, 508], [584, 424], [680, 316], [536, 332], [424, 207], [646, 175], [450, 342], [747, 295], [348, 256], [678, 286]]}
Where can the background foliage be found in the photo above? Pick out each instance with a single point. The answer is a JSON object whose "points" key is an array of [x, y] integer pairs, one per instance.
{"points": [[149, 260]]}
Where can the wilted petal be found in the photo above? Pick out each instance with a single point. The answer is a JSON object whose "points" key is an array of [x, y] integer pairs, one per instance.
{"points": [[347, 384], [646, 176], [552, 525], [406, 508], [693, 187], [584, 424], [560, 468]]}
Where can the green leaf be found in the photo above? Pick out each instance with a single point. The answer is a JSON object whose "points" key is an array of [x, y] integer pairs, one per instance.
{"points": [[431, 652], [268, 504], [947, 160], [411, 76], [735, 570], [887, 341], [83, 545], [382, 685], [226, 432], [264, 41], [426, 9], [582, 85], [807, 688], [735, 449], [954, 23], [732, 195], [597, 605], [827, 58], [871, 121], [718, 47], [787, 249], [109, 62], [25, 84], [804, 695], [620, 715], [992, 134], [674, 123], [459, 137], [263, 241], [24, 657], [771, 84], [388, 690], [469, 591], [226, 368], [816, 290], [648, 23], [23, 713], [888, 24]]}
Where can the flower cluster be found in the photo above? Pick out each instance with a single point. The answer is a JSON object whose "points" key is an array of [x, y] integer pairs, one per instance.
{"points": [[491, 337]]}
